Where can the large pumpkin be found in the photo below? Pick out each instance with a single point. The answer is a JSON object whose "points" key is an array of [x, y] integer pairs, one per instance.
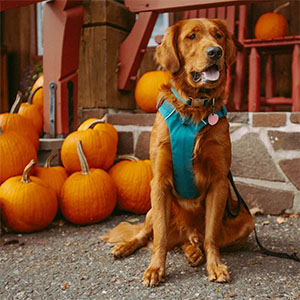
{"points": [[27, 203], [15, 152], [271, 25], [13, 121], [148, 88], [88, 196], [99, 143], [53, 176], [132, 178]]}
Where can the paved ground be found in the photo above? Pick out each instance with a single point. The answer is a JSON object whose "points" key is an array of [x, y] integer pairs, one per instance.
{"points": [[71, 262]]}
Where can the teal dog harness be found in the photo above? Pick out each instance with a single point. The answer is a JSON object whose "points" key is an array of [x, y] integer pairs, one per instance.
{"points": [[183, 132]]}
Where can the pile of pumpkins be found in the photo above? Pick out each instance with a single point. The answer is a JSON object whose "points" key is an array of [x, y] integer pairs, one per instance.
{"points": [[86, 189]]}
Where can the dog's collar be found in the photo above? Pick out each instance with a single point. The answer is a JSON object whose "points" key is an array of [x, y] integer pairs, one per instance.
{"points": [[193, 102]]}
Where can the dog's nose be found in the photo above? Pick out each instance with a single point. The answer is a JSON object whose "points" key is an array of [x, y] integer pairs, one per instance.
{"points": [[213, 52]]}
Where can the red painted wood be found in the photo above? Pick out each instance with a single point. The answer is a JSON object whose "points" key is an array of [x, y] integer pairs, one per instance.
{"points": [[278, 43], [277, 101], [202, 13], [254, 81], [10, 4], [239, 80], [296, 79], [230, 18], [221, 12], [138, 6], [212, 13], [269, 85], [61, 39], [133, 49]]}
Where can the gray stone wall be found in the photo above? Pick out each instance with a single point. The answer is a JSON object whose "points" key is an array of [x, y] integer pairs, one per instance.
{"points": [[265, 154]]}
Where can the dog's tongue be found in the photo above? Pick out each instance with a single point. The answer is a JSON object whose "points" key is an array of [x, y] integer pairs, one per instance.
{"points": [[211, 74]]}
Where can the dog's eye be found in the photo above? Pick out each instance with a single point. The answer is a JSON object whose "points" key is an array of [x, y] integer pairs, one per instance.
{"points": [[192, 36], [219, 35]]}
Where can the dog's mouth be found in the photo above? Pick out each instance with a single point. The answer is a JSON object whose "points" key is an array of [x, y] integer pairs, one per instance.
{"points": [[209, 75]]}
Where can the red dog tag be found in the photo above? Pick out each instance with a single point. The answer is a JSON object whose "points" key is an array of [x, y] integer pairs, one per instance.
{"points": [[213, 119]]}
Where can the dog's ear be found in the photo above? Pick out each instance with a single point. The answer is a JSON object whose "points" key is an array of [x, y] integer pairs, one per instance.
{"points": [[230, 51], [167, 52]]}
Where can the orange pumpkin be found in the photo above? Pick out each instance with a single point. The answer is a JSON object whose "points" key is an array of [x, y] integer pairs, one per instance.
{"points": [[99, 144], [38, 97], [88, 196], [12, 121], [148, 88], [53, 176], [271, 25], [132, 178], [102, 125], [15, 152], [34, 114], [27, 202]]}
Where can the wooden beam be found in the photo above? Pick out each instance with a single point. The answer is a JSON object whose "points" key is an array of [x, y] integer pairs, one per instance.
{"points": [[10, 4], [159, 6]]}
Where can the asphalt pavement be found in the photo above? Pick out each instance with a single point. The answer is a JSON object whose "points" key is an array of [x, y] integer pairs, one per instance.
{"points": [[65, 261]]}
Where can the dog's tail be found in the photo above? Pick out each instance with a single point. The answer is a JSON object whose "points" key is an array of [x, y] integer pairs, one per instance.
{"points": [[123, 232]]}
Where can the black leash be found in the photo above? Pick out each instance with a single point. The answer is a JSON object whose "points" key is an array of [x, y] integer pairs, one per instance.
{"points": [[293, 256]]}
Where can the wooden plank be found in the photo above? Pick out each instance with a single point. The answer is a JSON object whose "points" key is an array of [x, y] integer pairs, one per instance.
{"points": [[176, 5], [133, 49], [10, 4]]}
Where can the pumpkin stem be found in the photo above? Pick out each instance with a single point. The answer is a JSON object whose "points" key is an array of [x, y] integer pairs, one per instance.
{"points": [[127, 157], [15, 107], [276, 10], [83, 161], [27, 170], [32, 93], [49, 159], [99, 121]]}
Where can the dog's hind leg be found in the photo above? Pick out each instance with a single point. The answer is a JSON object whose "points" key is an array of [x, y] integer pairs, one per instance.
{"points": [[129, 238], [235, 231]]}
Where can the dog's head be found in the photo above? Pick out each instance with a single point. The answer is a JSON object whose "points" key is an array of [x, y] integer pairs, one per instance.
{"points": [[197, 50]]}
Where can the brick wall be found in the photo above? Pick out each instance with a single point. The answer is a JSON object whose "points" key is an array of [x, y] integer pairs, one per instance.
{"points": [[265, 154]]}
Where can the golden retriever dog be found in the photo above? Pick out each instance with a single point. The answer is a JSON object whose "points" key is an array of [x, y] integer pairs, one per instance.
{"points": [[197, 53]]}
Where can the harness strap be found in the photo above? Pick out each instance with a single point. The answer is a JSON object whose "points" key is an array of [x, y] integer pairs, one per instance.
{"points": [[183, 132], [264, 250]]}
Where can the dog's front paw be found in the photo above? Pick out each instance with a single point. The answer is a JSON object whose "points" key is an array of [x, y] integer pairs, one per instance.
{"points": [[123, 249], [193, 255], [153, 276], [218, 273]]}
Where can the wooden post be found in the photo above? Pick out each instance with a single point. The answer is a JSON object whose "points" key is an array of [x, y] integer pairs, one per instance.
{"points": [[296, 79], [61, 33], [254, 81], [269, 85]]}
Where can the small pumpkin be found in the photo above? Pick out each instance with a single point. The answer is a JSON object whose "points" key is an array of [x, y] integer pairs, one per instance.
{"points": [[27, 203], [88, 196], [12, 121], [15, 152], [148, 88], [37, 88], [33, 112], [132, 178], [271, 25], [53, 176], [99, 143]]}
